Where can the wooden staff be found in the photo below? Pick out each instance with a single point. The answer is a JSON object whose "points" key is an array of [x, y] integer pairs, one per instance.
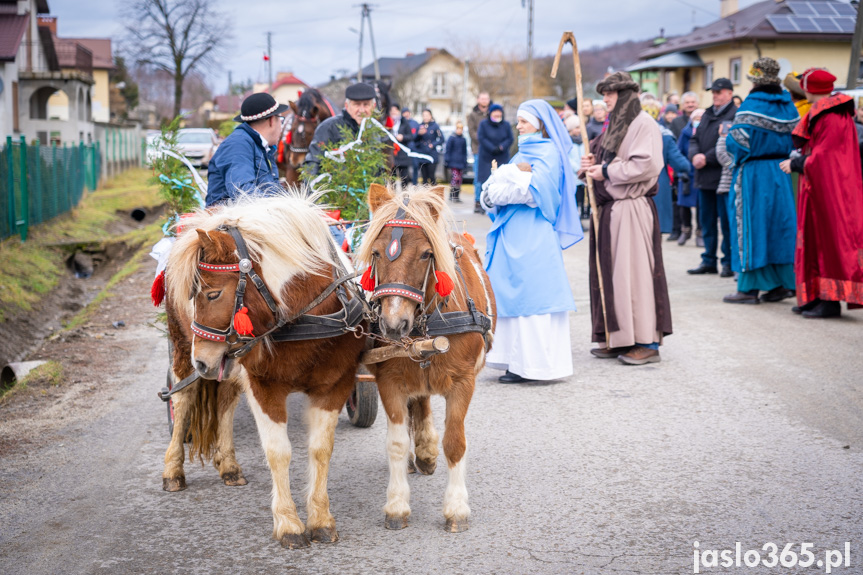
{"points": [[569, 38]]}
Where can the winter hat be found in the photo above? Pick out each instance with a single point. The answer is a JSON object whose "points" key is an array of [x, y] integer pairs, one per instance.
{"points": [[617, 82], [817, 81], [572, 103], [359, 92], [572, 123], [793, 85], [670, 108], [764, 71]]}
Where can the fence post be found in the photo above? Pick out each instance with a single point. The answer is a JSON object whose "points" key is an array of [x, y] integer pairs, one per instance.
{"points": [[10, 165], [38, 193], [55, 184], [25, 199]]}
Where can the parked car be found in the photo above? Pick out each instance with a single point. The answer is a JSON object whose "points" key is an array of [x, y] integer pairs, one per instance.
{"points": [[443, 175], [198, 145]]}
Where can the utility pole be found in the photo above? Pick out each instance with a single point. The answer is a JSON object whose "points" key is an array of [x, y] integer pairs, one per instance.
{"points": [[367, 15], [230, 83], [856, 47], [360, 58], [464, 89], [270, 56], [529, 47]]}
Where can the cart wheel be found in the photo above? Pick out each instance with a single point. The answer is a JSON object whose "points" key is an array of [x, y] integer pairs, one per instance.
{"points": [[362, 405]]}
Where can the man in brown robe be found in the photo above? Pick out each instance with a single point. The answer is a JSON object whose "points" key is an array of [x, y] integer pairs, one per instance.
{"points": [[624, 163]]}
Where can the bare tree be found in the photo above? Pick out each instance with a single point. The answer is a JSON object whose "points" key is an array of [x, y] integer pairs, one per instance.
{"points": [[177, 36]]}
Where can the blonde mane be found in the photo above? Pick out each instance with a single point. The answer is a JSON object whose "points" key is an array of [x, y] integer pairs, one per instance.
{"points": [[431, 211], [285, 233]]}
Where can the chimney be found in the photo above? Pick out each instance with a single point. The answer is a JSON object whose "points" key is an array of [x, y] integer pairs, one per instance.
{"points": [[727, 8], [49, 22], [430, 50], [409, 54]]}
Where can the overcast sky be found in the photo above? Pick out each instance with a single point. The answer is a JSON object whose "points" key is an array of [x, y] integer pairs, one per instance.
{"points": [[312, 37]]}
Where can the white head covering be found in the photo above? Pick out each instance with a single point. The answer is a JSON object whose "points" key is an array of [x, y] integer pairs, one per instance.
{"points": [[528, 117]]}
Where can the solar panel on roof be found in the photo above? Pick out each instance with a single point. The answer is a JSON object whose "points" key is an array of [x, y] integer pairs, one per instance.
{"points": [[805, 24], [826, 25], [801, 8], [782, 23], [845, 24], [845, 9]]}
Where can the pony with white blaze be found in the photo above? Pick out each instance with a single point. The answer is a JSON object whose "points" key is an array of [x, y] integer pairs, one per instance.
{"points": [[427, 280]]}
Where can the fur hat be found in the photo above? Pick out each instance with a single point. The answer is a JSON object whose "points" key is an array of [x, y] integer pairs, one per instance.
{"points": [[617, 82], [764, 71]]}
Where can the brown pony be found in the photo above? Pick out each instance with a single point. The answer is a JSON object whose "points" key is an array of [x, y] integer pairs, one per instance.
{"points": [[291, 250], [309, 111], [427, 255]]}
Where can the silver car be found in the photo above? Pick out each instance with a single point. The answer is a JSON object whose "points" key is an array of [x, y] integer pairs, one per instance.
{"points": [[198, 145]]}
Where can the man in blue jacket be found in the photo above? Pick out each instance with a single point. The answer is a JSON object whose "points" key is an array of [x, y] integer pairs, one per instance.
{"points": [[245, 162]]}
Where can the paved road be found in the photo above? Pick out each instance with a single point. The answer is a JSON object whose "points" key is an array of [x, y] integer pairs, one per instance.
{"points": [[749, 430]]}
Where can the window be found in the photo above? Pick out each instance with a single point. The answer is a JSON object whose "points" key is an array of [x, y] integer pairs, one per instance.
{"points": [[439, 84], [708, 75], [735, 69]]}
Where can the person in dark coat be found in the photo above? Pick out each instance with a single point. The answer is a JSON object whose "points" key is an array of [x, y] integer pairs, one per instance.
{"points": [[495, 138], [428, 138], [404, 134], [414, 126], [246, 162], [687, 193], [455, 158], [663, 199], [359, 104], [708, 171]]}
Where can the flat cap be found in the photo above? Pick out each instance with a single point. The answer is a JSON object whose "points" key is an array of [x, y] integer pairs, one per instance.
{"points": [[360, 91]]}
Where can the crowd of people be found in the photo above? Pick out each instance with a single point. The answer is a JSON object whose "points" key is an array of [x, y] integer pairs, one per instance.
{"points": [[652, 164], [649, 165]]}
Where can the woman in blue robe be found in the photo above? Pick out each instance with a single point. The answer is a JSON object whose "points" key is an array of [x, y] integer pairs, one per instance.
{"points": [[535, 217], [761, 201]]}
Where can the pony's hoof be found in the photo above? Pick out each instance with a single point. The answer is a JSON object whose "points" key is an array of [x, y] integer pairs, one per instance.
{"points": [[411, 467], [426, 467], [456, 525], [234, 478], [324, 535], [294, 541], [395, 523], [174, 483]]}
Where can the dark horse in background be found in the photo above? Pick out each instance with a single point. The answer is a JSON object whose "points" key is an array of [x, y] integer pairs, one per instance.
{"points": [[310, 110]]}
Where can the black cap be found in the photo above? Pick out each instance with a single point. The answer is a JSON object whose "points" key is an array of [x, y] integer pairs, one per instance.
{"points": [[259, 106], [670, 108], [721, 84], [573, 104], [360, 91]]}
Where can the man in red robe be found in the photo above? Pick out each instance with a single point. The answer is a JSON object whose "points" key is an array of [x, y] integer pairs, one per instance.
{"points": [[829, 256]]}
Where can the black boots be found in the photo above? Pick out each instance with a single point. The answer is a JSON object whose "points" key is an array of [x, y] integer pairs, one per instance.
{"points": [[454, 195]]}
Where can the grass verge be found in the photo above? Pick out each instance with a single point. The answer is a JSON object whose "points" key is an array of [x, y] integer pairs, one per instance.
{"points": [[33, 268]]}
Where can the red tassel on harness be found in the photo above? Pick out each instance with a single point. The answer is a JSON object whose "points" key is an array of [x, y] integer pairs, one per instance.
{"points": [[289, 138], [470, 238], [157, 292], [367, 282], [242, 323], [444, 285], [280, 154]]}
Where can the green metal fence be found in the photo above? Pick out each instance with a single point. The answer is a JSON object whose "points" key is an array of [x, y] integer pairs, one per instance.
{"points": [[38, 182]]}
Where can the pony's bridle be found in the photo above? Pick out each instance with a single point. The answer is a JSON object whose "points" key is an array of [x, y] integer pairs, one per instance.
{"points": [[245, 268], [393, 251]]}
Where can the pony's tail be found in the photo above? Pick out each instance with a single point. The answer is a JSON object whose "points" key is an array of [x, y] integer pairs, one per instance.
{"points": [[203, 420]]}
